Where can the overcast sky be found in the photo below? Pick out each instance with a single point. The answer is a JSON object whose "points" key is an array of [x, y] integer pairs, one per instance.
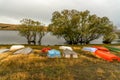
{"points": [[12, 11]]}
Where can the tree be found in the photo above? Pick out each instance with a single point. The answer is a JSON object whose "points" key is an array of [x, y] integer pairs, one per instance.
{"points": [[117, 31], [108, 38], [25, 29], [78, 27], [41, 33], [30, 29], [110, 35]]}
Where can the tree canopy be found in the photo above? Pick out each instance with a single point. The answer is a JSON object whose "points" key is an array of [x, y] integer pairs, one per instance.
{"points": [[30, 29], [79, 26]]}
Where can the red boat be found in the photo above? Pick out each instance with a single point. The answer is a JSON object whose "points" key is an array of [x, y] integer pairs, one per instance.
{"points": [[46, 49]]}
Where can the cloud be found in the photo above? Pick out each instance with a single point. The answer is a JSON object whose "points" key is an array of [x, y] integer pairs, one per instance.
{"points": [[42, 9], [8, 20]]}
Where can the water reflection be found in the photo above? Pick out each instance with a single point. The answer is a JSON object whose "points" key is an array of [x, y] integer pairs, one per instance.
{"points": [[13, 37]]}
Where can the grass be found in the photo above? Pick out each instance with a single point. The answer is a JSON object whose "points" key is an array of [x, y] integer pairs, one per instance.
{"points": [[37, 67], [4, 26]]}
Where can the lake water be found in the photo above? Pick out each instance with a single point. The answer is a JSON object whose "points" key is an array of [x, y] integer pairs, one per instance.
{"points": [[13, 37]]}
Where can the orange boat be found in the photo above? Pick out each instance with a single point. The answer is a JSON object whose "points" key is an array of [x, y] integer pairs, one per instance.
{"points": [[106, 55], [101, 48]]}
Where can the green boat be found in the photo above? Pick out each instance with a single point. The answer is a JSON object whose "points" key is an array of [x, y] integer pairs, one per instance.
{"points": [[114, 49]]}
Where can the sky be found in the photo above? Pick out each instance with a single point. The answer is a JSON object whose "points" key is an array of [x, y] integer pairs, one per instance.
{"points": [[12, 11]]}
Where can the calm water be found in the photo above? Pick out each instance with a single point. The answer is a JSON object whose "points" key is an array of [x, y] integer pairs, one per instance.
{"points": [[13, 37]]}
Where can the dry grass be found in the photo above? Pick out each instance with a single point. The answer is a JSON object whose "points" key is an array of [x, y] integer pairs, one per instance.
{"points": [[4, 26], [37, 67]]}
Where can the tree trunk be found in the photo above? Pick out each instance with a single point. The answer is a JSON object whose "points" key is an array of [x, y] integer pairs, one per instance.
{"points": [[29, 42], [39, 41], [106, 42]]}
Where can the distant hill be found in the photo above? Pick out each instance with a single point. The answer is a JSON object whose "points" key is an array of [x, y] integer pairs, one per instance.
{"points": [[4, 26]]}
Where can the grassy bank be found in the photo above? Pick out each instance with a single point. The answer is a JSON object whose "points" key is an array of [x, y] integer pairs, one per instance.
{"points": [[38, 67]]}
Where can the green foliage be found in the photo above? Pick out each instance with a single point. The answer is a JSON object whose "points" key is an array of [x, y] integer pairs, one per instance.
{"points": [[118, 33], [79, 27], [30, 29], [109, 37]]}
